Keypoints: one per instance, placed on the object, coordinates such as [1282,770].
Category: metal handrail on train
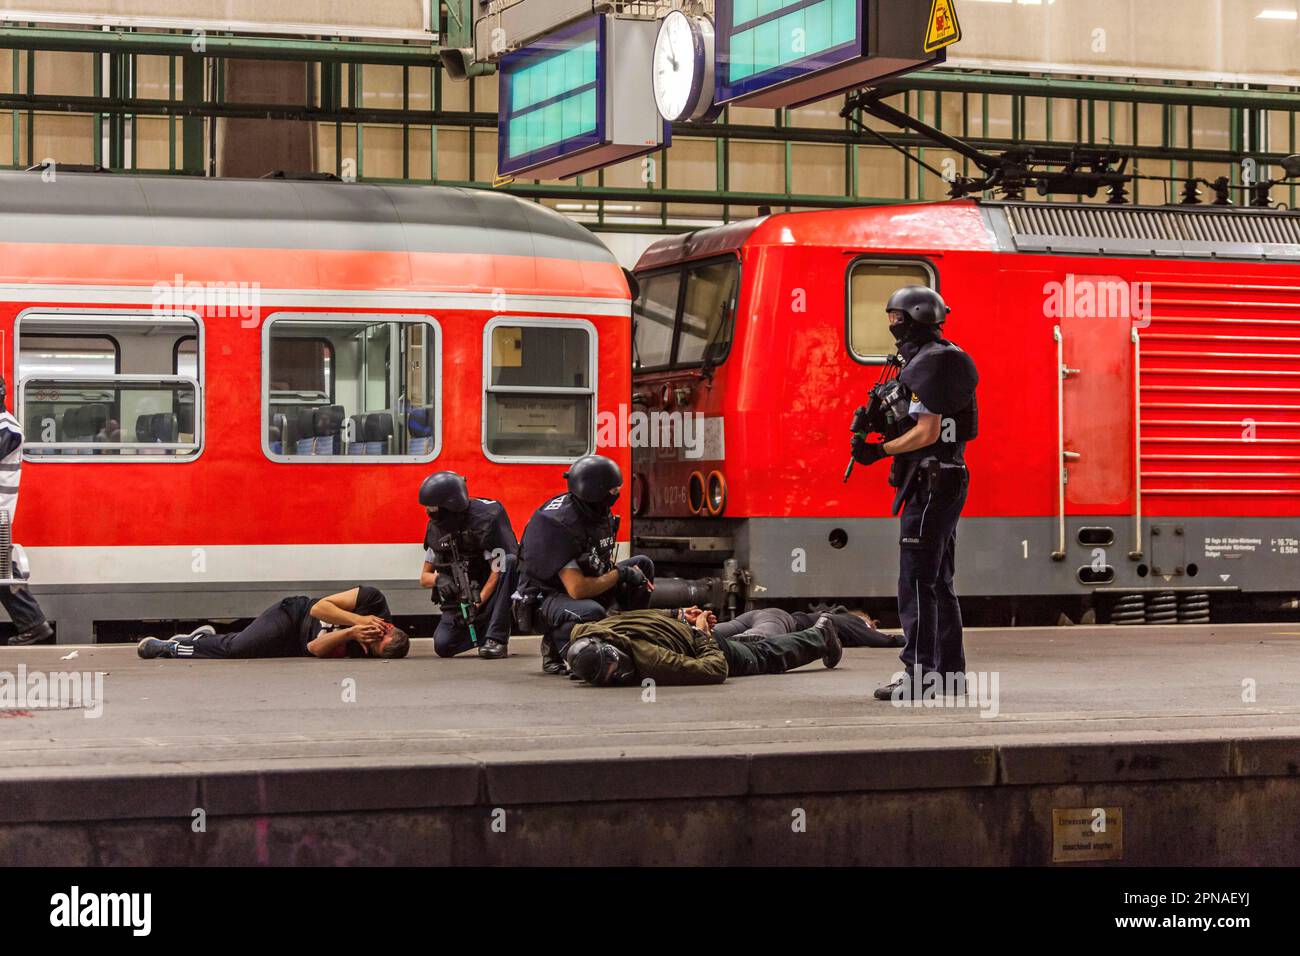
[1063,457]
[1136,553]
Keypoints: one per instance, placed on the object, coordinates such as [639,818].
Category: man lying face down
[855,628]
[680,648]
[353,623]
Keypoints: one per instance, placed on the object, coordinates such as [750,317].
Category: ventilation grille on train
[1148,231]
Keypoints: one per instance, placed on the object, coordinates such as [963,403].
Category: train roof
[1179,232]
[176,211]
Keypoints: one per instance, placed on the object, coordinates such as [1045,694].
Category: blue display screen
[764,43]
[552,97]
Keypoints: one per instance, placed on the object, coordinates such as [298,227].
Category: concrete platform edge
[503,780]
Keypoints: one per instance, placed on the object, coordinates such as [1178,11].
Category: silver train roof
[111,209]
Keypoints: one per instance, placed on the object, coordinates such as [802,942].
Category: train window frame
[117,346]
[593,370]
[683,270]
[346,318]
[70,314]
[884,260]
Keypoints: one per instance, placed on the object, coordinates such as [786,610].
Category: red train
[232,390]
[1140,399]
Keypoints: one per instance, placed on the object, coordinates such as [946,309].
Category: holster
[524,610]
[942,477]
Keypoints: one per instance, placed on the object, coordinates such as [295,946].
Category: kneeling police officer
[470,565]
[567,559]
[929,471]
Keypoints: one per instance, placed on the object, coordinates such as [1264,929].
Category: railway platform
[1191,733]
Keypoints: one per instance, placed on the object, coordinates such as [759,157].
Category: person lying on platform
[681,648]
[855,628]
[354,623]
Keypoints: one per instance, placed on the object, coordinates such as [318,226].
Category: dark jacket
[666,650]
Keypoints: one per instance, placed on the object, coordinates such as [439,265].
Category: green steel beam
[333,112]
[592,194]
[237,47]
[951,81]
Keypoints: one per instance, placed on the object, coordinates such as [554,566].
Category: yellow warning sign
[945,28]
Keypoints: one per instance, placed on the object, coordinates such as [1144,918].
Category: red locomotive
[1140,435]
[232,390]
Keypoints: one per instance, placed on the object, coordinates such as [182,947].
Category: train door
[1095,336]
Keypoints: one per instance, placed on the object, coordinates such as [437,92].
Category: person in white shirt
[26,613]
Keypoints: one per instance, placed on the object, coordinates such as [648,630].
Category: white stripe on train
[206,565]
[86,295]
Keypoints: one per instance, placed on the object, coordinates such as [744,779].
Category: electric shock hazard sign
[945,28]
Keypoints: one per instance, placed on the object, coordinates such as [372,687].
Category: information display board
[579,99]
[553,97]
[782,53]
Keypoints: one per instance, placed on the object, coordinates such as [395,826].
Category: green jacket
[665,649]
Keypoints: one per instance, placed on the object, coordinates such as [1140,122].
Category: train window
[351,388]
[185,357]
[708,313]
[69,355]
[656,320]
[540,396]
[871,283]
[105,386]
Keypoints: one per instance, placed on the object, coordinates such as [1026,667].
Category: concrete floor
[1057,686]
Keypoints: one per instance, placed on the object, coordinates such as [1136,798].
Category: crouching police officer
[567,559]
[470,565]
[929,471]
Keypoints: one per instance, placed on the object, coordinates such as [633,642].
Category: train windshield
[686,316]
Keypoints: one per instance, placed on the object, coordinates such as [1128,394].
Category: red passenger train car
[1140,398]
[231,391]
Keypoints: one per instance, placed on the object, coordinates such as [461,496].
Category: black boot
[33,635]
[834,647]
[552,662]
[492,650]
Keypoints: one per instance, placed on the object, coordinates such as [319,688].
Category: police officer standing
[470,565]
[567,558]
[929,471]
[27,615]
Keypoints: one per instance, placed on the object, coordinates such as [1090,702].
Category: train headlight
[716,494]
[696,496]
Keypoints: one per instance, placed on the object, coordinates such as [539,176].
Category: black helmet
[594,479]
[922,305]
[598,662]
[445,490]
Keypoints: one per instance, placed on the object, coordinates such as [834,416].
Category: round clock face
[679,67]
